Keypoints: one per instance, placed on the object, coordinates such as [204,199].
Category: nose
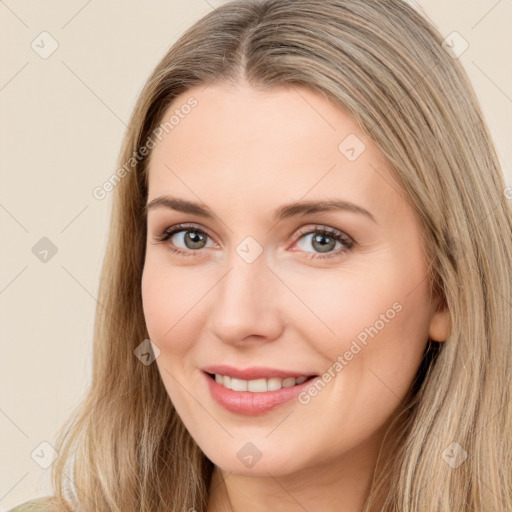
[246,304]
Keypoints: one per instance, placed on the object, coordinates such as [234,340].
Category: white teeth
[258,385]
[239,384]
[274,384]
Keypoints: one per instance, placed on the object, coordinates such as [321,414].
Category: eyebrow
[281,213]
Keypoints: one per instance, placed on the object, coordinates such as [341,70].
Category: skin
[244,153]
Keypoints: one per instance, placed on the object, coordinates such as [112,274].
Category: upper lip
[254,372]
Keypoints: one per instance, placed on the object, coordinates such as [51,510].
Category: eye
[191,237]
[324,239]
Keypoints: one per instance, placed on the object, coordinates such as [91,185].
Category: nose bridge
[245,301]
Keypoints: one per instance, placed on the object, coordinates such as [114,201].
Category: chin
[249,460]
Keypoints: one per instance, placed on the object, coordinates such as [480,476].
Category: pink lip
[252,404]
[255,372]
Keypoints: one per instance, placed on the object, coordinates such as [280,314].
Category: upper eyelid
[177,228]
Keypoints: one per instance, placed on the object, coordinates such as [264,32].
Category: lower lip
[253,404]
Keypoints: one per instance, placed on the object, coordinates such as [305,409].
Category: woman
[305,301]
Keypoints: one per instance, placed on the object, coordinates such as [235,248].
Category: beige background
[62,119]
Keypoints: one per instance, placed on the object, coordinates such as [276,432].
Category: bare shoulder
[35,505]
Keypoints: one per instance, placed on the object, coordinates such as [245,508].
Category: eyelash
[339,236]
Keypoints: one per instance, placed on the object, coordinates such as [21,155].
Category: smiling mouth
[258,385]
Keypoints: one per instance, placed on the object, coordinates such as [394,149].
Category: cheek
[376,322]
[380,334]
[175,304]
[166,298]
[172,310]
[344,304]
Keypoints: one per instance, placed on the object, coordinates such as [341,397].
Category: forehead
[245,146]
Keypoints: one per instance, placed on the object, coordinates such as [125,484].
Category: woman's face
[260,294]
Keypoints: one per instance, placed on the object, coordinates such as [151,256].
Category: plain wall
[62,120]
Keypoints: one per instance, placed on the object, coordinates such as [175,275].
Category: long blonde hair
[125,448]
